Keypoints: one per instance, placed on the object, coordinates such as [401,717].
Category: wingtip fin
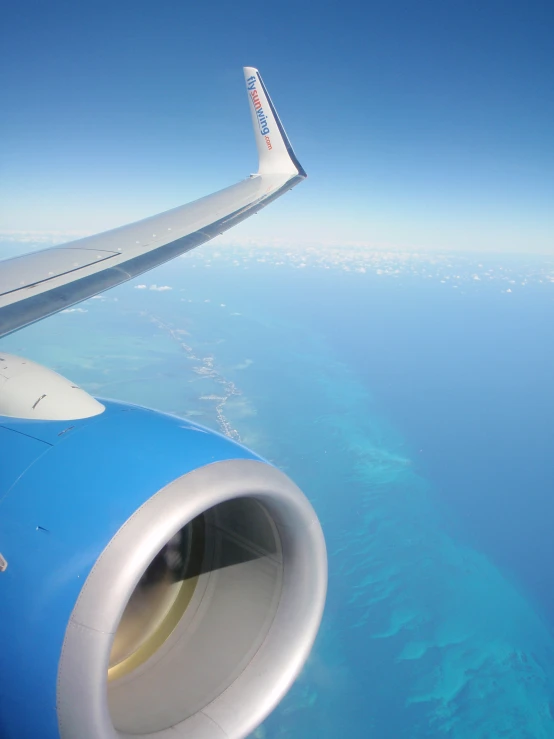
[275,152]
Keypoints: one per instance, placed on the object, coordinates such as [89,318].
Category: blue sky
[421,125]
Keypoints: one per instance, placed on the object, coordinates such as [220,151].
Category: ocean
[410,397]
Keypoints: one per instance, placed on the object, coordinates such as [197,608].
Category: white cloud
[157,288]
[75,310]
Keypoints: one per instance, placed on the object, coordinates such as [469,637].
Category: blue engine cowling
[86,507]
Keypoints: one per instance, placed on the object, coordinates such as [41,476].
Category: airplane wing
[44,282]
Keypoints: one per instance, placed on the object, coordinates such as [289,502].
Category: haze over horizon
[421,127]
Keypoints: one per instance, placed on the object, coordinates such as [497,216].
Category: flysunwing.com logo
[256,102]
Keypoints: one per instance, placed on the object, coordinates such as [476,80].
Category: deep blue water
[468,380]
[418,418]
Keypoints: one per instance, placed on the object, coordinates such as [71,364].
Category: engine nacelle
[156,579]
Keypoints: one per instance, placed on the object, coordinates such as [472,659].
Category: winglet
[276,155]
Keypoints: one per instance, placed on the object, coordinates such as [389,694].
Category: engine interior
[198,615]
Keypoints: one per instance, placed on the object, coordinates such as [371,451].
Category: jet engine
[157,579]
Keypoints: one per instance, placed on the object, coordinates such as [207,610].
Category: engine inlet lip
[82,675]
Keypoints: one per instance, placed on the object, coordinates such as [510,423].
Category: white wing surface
[44,282]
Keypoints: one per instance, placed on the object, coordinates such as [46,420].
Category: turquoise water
[427,632]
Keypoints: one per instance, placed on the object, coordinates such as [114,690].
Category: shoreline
[206,369]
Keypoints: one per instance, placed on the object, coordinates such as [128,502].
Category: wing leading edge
[44,282]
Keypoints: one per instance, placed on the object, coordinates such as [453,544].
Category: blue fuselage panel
[17,452]
[65,490]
